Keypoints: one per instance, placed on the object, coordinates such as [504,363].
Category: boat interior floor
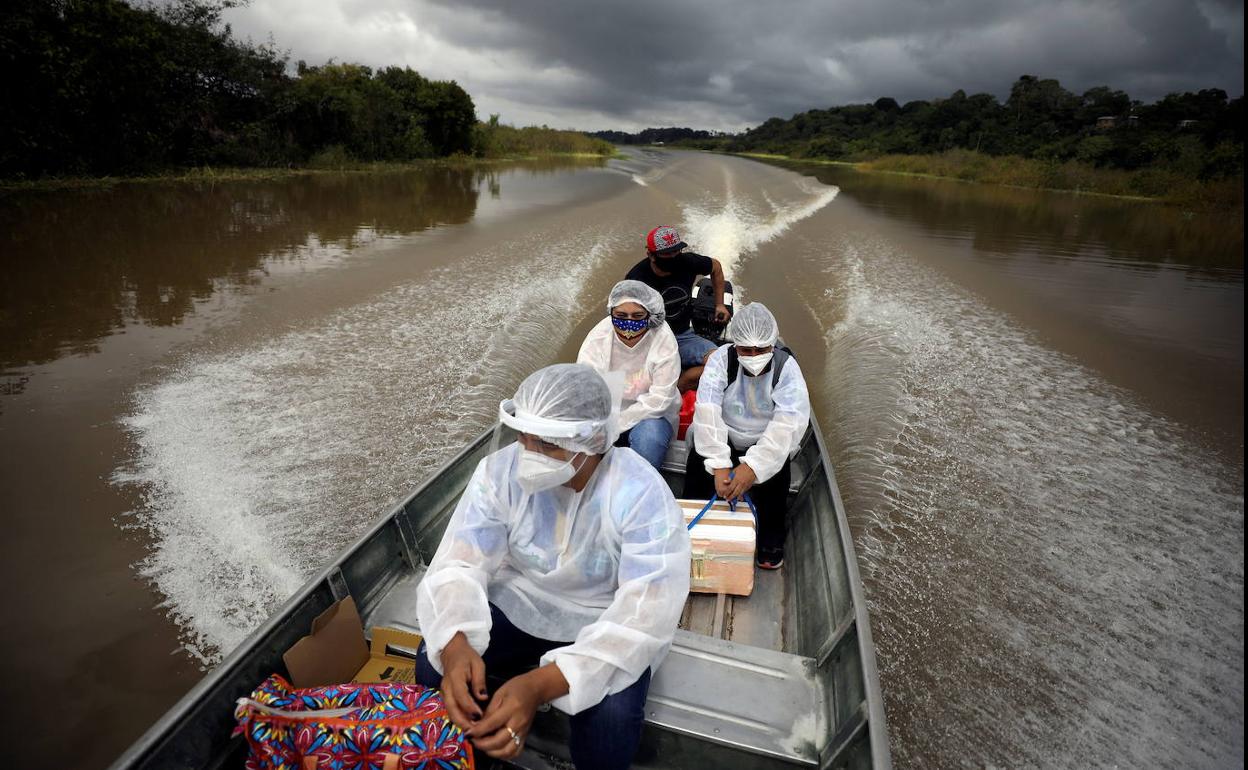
[752,620]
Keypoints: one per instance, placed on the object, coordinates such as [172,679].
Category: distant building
[1184,124]
[1106,122]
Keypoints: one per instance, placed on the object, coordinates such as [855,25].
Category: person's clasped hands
[496,725]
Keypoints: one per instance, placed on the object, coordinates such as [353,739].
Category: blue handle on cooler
[702,512]
[732,506]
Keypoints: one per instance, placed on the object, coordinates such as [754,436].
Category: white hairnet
[568,405]
[753,326]
[642,294]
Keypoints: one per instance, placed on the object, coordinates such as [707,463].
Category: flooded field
[1034,402]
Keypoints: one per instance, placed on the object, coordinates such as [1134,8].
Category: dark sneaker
[771,558]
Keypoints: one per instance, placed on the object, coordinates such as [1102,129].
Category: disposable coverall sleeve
[611,653]
[787,425]
[596,349]
[663,362]
[710,433]
[453,595]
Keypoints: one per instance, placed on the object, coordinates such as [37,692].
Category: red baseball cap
[664,238]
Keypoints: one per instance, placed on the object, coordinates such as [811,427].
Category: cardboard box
[337,652]
[723,548]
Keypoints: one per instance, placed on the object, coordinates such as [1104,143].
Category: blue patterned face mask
[629,328]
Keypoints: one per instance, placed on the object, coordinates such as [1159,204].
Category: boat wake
[643,167]
[256,465]
[736,226]
[995,486]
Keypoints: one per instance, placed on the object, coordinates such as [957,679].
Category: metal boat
[783,678]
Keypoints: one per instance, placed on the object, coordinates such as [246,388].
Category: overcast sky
[731,64]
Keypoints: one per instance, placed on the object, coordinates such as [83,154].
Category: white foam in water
[259,464]
[643,170]
[1056,575]
[734,227]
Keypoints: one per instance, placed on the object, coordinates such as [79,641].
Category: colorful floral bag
[349,727]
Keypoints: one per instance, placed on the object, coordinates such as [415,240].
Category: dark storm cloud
[717,64]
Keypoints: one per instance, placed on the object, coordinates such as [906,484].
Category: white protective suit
[768,424]
[605,569]
[650,370]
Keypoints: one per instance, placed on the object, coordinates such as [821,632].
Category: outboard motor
[702,310]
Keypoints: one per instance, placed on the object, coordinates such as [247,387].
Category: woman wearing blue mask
[634,349]
[563,572]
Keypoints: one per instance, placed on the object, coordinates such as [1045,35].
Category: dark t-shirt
[675,288]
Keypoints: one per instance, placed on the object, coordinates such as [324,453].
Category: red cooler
[686,413]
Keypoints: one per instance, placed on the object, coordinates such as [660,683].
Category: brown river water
[1034,403]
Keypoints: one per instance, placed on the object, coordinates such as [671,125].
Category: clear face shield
[551,451]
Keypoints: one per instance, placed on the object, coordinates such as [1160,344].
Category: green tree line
[1200,135]
[655,136]
[103,87]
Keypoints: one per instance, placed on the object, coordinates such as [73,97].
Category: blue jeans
[604,736]
[693,348]
[648,438]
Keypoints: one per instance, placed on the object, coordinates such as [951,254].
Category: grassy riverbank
[327,164]
[1151,184]
[492,143]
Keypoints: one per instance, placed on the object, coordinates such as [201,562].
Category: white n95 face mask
[537,471]
[755,364]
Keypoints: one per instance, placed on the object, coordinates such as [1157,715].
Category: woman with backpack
[751,414]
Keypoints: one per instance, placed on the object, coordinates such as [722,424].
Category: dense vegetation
[1200,134]
[1187,147]
[100,87]
[493,140]
[656,136]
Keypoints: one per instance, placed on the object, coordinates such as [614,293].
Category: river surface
[1034,402]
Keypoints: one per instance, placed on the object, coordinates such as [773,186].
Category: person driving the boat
[671,271]
[751,413]
[635,344]
[563,571]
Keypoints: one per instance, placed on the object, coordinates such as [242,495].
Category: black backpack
[780,356]
[702,310]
